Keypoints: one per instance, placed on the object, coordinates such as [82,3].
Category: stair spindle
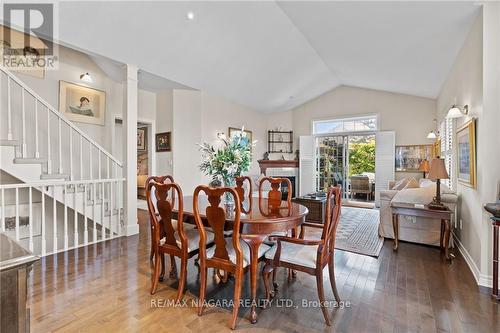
[65,219]
[9,111]
[71,176]
[103,236]
[30,221]
[3,210]
[85,224]
[17,214]
[59,134]
[75,219]
[81,157]
[112,207]
[23,116]
[44,241]
[37,152]
[49,162]
[54,220]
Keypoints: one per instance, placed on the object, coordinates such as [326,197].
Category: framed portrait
[82,104]
[142,139]
[232,131]
[408,158]
[163,142]
[466,154]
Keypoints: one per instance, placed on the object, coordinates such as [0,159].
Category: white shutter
[384,161]
[306,165]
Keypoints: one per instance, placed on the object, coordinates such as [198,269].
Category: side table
[418,211]
[316,206]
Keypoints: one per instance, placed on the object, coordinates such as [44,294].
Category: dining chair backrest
[162,180]
[216,217]
[163,207]
[332,218]
[240,189]
[275,195]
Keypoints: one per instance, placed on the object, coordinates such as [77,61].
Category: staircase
[65,189]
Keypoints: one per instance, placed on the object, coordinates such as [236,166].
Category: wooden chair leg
[238,279]
[162,265]
[266,271]
[173,267]
[182,278]
[276,285]
[203,288]
[331,269]
[321,296]
[156,274]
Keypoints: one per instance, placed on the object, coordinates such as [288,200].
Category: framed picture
[466,155]
[142,139]
[82,104]
[163,142]
[408,158]
[232,131]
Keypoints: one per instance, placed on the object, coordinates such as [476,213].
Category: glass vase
[228,197]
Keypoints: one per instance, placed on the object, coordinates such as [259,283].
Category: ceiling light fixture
[190,16]
[86,77]
[456,111]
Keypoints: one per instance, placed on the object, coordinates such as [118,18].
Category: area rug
[358,231]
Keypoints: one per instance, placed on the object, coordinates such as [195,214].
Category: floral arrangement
[229,161]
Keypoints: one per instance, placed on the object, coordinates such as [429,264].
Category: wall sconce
[456,111]
[221,136]
[86,77]
[432,134]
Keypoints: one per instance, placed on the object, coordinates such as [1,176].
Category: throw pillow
[400,184]
[412,184]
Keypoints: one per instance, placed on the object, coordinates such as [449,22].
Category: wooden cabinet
[316,208]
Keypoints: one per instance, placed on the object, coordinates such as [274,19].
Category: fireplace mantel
[266,164]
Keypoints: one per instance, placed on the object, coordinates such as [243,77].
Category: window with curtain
[446,135]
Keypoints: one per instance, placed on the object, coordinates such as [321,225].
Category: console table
[418,211]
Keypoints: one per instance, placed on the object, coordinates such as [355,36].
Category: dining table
[258,220]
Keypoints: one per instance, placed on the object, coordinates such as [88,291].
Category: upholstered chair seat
[297,254]
[244,248]
[193,237]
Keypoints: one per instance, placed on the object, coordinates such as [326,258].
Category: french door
[332,162]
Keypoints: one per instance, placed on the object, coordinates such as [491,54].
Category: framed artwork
[142,139]
[408,158]
[82,104]
[163,142]
[466,155]
[232,131]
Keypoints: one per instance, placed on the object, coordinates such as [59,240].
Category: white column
[130,153]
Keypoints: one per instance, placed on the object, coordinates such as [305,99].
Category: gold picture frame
[81,103]
[466,153]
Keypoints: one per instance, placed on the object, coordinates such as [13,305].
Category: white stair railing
[31,212]
[62,124]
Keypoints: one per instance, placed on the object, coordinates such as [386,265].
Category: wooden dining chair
[275,194]
[240,181]
[230,254]
[177,242]
[309,256]
[163,180]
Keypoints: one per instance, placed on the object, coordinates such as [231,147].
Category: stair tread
[6,142]
[29,160]
[54,176]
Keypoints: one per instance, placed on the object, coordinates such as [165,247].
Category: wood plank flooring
[105,288]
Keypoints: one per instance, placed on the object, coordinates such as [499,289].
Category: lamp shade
[431,135]
[424,166]
[438,169]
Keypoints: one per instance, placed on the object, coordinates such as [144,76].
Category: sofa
[141,186]
[414,229]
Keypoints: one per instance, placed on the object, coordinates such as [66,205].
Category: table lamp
[424,167]
[437,171]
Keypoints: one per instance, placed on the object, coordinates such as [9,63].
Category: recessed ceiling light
[190,16]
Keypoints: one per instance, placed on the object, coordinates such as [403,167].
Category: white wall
[464,85]
[164,123]
[474,80]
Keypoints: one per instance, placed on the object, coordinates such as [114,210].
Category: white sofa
[414,229]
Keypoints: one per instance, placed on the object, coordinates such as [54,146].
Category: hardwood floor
[105,288]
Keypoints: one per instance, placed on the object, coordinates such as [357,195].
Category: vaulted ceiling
[273,56]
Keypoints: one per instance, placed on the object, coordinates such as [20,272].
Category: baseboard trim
[482,280]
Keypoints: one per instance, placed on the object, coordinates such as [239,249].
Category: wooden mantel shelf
[265,164]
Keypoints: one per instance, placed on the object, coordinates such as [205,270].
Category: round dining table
[257,221]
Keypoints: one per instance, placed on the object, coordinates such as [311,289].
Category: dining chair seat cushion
[277,233]
[193,237]
[227,233]
[244,247]
[302,255]
[186,226]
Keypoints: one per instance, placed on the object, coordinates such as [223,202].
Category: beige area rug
[358,231]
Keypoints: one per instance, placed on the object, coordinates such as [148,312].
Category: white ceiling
[274,56]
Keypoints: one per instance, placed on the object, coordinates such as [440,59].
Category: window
[446,135]
[356,124]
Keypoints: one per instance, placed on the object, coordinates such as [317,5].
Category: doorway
[347,160]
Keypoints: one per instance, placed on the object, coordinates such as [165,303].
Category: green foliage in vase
[230,160]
